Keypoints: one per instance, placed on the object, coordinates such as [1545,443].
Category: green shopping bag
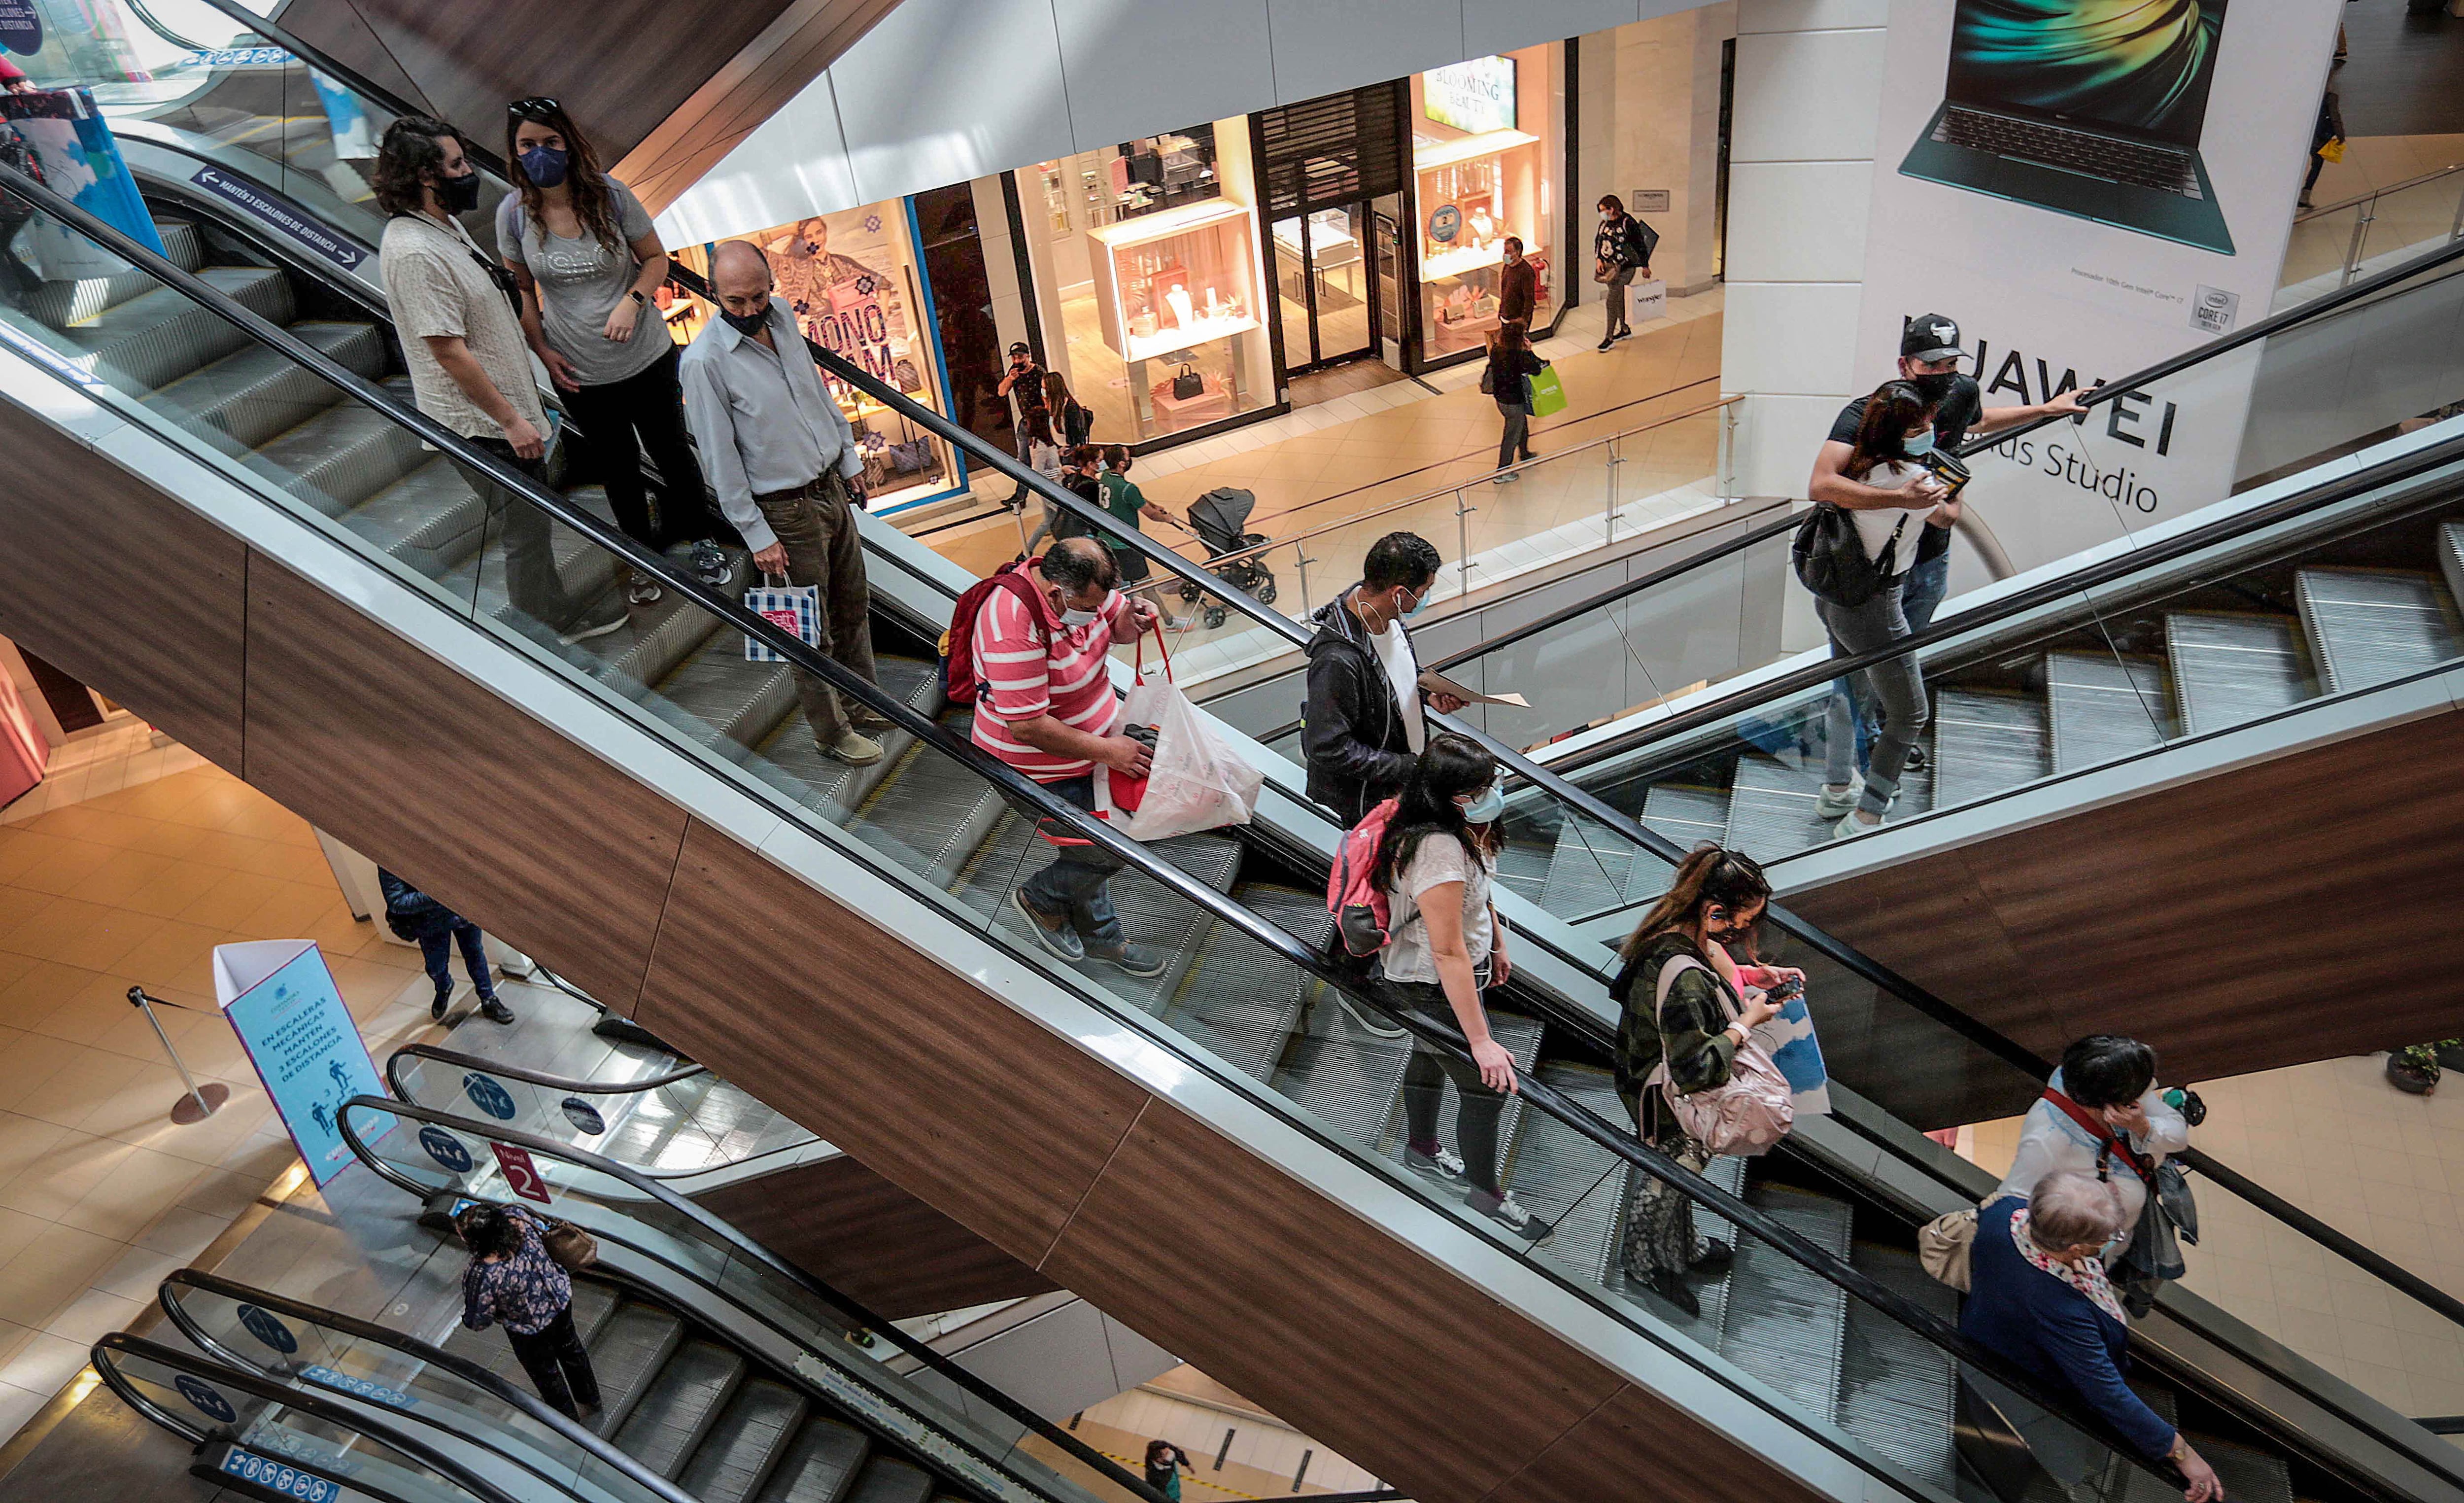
[1546,396]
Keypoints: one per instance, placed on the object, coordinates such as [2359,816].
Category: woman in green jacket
[1125,501]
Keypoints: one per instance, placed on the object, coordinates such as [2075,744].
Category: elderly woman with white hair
[2039,1296]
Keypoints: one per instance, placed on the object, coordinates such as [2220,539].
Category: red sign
[520,1174]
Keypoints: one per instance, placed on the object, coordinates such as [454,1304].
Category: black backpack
[1831,560]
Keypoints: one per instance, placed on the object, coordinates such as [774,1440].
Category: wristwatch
[635,294]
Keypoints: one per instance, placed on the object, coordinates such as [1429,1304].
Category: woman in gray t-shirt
[582,248]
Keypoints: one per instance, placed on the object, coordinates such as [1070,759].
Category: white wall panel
[1135,68]
[1504,28]
[1792,336]
[1325,45]
[1833,84]
[1810,15]
[793,164]
[942,91]
[1797,221]
[1777,440]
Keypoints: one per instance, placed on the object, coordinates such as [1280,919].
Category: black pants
[1424,1088]
[615,424]
[559,1363]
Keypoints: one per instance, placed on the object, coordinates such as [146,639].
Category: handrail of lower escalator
[316,1405]
[1022,790]
[469,1372]
[526,1074]
[856,1310]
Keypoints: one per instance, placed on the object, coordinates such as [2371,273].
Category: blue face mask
[1485,808]
[1418,601]
[545,166]
[1919,447]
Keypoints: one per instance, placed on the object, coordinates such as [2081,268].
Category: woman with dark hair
[2111,1081]
[1073,420]
[1512,365]
[1682,1006]
[511,1279]
[1121,497]
[582,249]
[1897,432]
[1445,945]
[1165,1462]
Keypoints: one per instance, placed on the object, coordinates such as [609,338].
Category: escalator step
[725,700]
[57,305]
[1241,1001]
[692,1386]
[243,399]
[2450,558]
[1341,1071]
[2229,669]
[822,784]
[930,814]
[1151,916]
[428,520]
[886,1479]
[1783,1324]
[750,1436]
[594,1300]
[1564,1178]
[156,338]
[348,454]
[1985,742]
[2105,707]
[662,634]
[1771,809]
[2249,1476]
[1521,1036]
[626,1353]
[1686,814]
[1897,1390]
[1593,868]
[821,1464]
[2367,626]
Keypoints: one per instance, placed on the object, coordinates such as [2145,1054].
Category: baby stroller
[1217,518]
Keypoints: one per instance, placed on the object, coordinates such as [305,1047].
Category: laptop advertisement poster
[2086,188]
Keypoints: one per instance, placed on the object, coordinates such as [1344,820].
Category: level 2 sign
[521,1175]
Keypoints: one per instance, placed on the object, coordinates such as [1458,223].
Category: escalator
[1816,1368]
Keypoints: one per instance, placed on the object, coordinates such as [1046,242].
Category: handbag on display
[1188,384]
[1747,1114]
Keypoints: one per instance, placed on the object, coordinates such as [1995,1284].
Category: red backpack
[959,680]
[1358,904]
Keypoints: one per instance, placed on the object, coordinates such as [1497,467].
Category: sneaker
[436,1009]
[1625,333]
[1606,341]
[710,563]
[591,628]
[854,749]
[1670,1287]
[1831,805]
[1053,934]
[495,1010]
[1369,1021]
[1850,827]
[1442,1166]
[1916,759]
[1505,1210]
[1714,1257]
[1506,477]
[643,591]
[1136,959]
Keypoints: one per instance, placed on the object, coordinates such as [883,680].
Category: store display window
[852,279]
[1485,149]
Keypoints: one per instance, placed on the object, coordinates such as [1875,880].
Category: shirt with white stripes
[1071,682]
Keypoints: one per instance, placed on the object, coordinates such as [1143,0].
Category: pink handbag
[1746,1115]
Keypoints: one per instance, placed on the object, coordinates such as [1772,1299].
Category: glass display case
[1483,147]
[1176,293]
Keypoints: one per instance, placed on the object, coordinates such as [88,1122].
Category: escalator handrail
[726,1233]
[462,1367]
[1022,789]
[307,1401]
[2109,391]
[526,1074]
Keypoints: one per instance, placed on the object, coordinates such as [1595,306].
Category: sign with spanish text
[281,1000]
[521,1174]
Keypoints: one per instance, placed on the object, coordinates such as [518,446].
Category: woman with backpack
[1071,420]
[1436,863]
[1895,434]
[1512,365]
[1685,1010]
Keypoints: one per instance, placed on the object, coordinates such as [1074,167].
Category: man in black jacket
[1362,726]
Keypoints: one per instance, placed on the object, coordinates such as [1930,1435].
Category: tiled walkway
[2405,221]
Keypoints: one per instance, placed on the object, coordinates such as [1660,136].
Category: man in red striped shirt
[1048,709]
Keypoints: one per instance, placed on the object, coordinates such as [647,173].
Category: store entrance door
[1325,289]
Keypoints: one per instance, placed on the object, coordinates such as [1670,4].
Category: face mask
[1919,447]
[1081,618]
[461,195]
[747,324]
[1935,388]
[1418,601]
[545,166]
[1485,808]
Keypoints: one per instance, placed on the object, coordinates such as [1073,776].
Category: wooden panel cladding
[952,1096]
[856,1230]
[621,67]
[406,757]
[122,586]
[2304,908]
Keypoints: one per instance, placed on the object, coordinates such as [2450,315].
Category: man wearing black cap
[1929,356]
[1023,384]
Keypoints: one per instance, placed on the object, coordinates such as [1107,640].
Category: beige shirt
[437,289]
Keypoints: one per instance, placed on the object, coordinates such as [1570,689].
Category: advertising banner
[76,156]
[2088,187]
[282,1003]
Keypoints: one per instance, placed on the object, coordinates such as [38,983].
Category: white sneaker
[1831,805]
[1851,827]
[1446,1165]
[1505,1210]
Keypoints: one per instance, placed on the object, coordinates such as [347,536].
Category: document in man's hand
[1434,682]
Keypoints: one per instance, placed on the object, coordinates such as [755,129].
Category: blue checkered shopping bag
[793,608]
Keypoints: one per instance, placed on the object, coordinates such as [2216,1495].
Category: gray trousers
[1516,442]
[817,524]
[1894,684]
[1615,284]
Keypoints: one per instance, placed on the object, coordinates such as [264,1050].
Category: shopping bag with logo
[793,608]
[1546,394]
[1648,301]
[1198,781]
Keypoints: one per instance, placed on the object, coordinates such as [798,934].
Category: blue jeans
[1078,881]
[1920,594]
[437,952]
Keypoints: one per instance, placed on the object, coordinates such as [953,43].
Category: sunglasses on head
[537,108]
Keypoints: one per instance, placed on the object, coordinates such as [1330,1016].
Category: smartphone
[1785,989]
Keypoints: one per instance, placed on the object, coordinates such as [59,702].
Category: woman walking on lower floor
[1512,365]
[511,1280]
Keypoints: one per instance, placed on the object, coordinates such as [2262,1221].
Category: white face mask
[1082,618]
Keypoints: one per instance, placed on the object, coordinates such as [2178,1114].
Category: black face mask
[747,324]
[1935,388]
[460,194]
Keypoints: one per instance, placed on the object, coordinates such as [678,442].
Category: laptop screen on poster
[2135,68]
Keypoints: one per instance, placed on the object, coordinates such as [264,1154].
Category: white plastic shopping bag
[1198,781]
[793,608]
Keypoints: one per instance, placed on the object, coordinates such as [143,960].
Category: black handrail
[526,1074]
[314,1405]
[1020,790]
[855,1310]
[461,1367]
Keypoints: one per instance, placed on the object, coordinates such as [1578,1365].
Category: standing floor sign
[280,999]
